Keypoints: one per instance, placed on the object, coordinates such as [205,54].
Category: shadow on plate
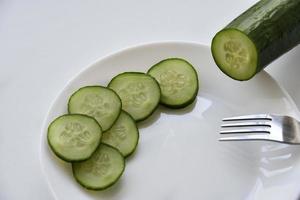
[180,111]
[288,66]
[162,109]
[266,86]
[149,121]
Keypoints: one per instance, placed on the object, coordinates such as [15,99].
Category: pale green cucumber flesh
[74,137]
[235,54]
[139,93]
[96,101]
[101,170]
[123,135]
[178,81]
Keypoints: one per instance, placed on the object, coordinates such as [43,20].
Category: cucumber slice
[102,170]
[139,93]
[178,81]
[123,135]
[96,101]
[235,54]
[74,137]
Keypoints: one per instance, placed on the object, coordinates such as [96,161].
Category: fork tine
[246,130]
[244,137]
[242,124]
[248,117]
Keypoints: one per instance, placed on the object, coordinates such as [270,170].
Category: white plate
[179,156]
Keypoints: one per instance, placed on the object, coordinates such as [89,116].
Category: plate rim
[115,53]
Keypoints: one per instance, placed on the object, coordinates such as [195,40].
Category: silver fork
[269,127]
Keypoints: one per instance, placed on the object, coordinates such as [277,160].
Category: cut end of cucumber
[235,54]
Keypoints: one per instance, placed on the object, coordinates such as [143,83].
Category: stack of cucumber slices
[100,130]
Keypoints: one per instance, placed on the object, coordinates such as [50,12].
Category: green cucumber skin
[137,141]
[273,26]
[196,91]
[144,118]
[101,87]
[107,186]
[58,154]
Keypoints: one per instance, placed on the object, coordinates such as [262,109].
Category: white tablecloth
[43,44]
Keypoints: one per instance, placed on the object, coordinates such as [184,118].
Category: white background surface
[43,44]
